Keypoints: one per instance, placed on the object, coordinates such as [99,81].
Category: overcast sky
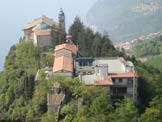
[14,14]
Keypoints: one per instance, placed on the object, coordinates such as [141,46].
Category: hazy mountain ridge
[127,19]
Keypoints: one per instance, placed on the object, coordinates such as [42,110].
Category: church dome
[42,26]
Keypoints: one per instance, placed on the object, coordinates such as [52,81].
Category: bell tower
[62,20]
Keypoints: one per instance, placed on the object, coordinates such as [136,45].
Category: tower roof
[61,13]
[70,47]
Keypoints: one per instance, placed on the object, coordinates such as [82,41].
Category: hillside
[147,47]
[149,51]
[24,99]
[155,61]
[127,19]
[21,100]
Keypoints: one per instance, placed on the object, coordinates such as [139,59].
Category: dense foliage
[17,81]
[90,43]
[155,61]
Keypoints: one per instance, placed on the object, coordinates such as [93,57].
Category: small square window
[120,80]
[113,80]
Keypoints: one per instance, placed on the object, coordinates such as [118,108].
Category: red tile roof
[124,75]
[70,47]
[63,63]
[106,82]
[108,79]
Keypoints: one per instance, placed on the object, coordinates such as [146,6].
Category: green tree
[90,43]
[100,108]
[49,117]
[17,78]
[76,29]
[151,115]
[124,112]
[101,105]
